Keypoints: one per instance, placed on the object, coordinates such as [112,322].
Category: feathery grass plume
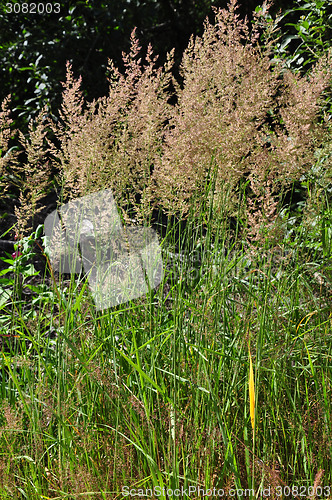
[68,157]
[227,91]
[229,112]
[8,157]
[143,93]
[262,216]
[317,482]
[34,173]
[300,132]
[251,391]
[113,141]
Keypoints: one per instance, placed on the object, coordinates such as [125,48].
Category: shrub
[305,34]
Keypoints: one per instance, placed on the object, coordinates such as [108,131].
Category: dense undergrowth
[154,392]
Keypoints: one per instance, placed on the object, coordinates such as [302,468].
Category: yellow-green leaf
[251,393]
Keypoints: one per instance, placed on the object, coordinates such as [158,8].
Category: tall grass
[154,393]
